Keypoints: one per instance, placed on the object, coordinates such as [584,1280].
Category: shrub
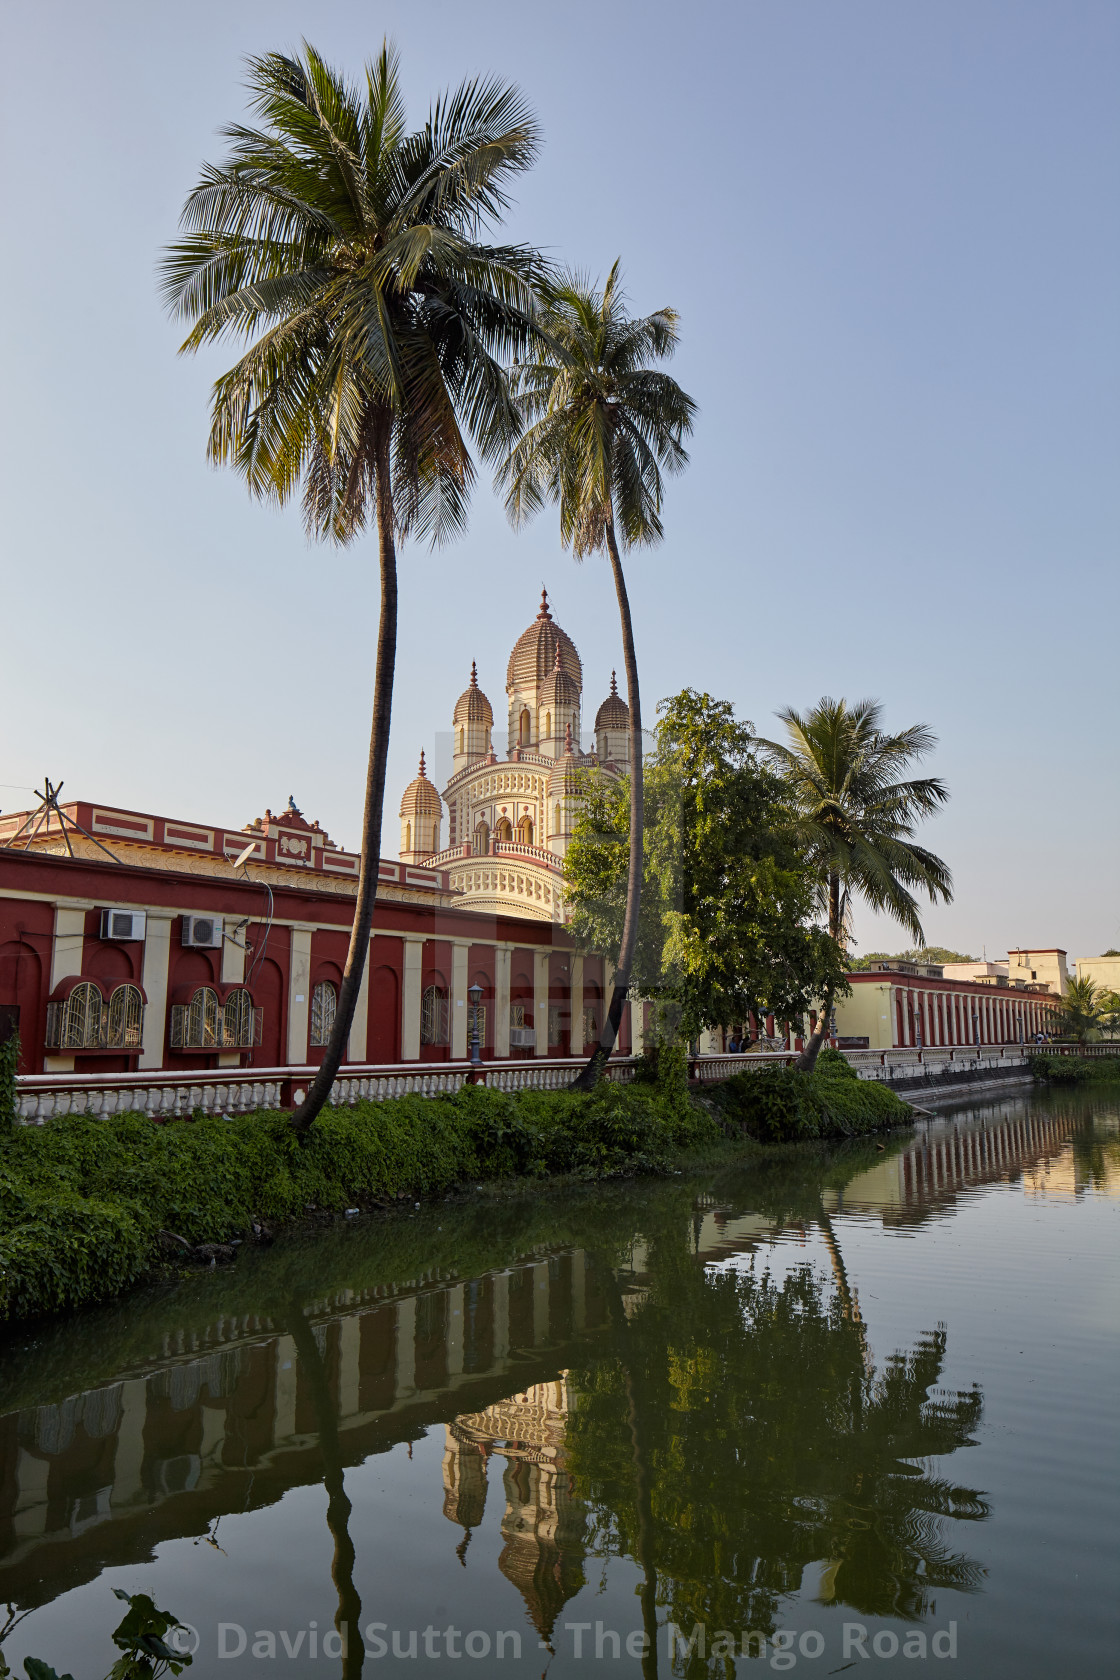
[1073,1070]
[779,1105]
[834,1063]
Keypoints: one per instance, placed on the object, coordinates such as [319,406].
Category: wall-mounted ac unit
[202,932]
[522,1038]
[122,924]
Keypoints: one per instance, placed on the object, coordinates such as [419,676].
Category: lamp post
[475,994]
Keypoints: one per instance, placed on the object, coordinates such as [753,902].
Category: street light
[475,994]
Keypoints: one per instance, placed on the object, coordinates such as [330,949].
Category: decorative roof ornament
[564,777]
[472,705]
[614,713]
[534,653]
[420,797]
[558,688]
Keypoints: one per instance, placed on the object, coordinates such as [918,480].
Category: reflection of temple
[543,1524]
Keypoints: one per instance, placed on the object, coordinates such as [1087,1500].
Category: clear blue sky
[892,235]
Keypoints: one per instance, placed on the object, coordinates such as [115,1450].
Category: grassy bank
[83,1201]
[1074,1070]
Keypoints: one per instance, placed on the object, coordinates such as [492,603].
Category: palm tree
[602,427]
[1081,1009]
[350,252]
[856,818]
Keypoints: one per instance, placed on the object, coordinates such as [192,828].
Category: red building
[132,943]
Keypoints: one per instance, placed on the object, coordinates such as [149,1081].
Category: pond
[849,1408]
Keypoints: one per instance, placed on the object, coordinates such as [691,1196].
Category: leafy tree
[938,954]
[1110,1011]
[1081,1011]
[857,818]
[727,922]
[602,427]
[350,252]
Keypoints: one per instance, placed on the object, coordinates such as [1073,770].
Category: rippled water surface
[849,1409]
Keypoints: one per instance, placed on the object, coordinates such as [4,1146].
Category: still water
[850,1409]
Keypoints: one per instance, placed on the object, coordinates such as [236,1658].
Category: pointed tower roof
[472,705]
[534,653]
[614,713]
[564,777]
[558,688]
[420,797]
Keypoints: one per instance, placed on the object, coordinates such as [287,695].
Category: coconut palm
[856,818]
[351,253]
[602,428]
[1082,1009]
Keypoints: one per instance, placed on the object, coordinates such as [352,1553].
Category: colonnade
[930,1018]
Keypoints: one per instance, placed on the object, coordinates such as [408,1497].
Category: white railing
[514,848]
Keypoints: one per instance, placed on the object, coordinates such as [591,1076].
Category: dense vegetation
[782,1104]
[1074,1070]
[83,1200]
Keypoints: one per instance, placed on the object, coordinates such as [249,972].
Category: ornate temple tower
[532,687]
[471,724]
[612,728]
[421,816]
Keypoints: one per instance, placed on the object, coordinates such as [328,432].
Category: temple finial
[614,683]
[544,612]
[557,665]
[474,674]
[423,772]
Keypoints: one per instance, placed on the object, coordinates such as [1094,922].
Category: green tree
[1081,1011]
[350,252]
[857,818]
[601,429]
[938,954]
[726,927]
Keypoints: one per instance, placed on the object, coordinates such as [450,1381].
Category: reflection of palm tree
[643,1476]
[349,1614]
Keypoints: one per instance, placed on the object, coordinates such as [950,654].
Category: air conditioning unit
[522,1038]
[122,924]
[202,932]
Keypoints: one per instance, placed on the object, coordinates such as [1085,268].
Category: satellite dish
[242,858]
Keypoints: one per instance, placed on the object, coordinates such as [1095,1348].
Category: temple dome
[614,713]
[472,705]
[534,653]
[558,688]
[420,797]
[564,777]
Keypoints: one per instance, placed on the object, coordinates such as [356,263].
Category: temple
[510,819]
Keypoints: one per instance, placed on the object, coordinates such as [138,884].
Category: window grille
[517,1014]
[480,1014]
[433,1016]
[555,1024]
[84,1021]
[203,1023]
[324,1003]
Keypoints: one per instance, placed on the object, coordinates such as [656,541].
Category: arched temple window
[433,1016]
[504,830]
[324,1003]
[547,725]
[556,819]
[462,739]
[482,839]
[525,728]
[525,831]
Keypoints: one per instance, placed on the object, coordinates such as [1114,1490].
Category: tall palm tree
[857,817]
[1082,1010]
[602,427]
[351,253]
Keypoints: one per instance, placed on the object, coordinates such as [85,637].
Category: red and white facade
[239,968]
[908,1006]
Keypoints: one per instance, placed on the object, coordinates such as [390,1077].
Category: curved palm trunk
[591,1074]
[320,1089]
[643,1474]
[348,1617]
[807,1060]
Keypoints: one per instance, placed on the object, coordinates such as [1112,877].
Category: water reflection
[628,1368]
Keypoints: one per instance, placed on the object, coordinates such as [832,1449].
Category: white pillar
[69,938]
[460,953]
[410,998]
[359,1026]
[503,958]
[540,1002]
[233,952]
[299,985]
[153,978]
[575,1007]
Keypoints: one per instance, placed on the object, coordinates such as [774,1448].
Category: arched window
[525,728]
[237,1020]
[482,839]
[433,1016]
[77,1022]
[126,1018]
[324,1002]
[547,725]
[525,831]
[408,836]
[206,1024]
[504,830]
[556,819]
[462,739]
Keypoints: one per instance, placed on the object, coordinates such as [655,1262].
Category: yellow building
[898,1004]
[1102,971]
